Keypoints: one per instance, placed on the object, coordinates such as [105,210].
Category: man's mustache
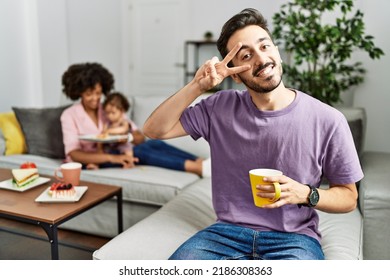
[261,67]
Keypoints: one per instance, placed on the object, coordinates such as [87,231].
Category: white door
[154,44]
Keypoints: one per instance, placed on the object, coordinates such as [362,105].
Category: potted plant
[208,36]
[320,50]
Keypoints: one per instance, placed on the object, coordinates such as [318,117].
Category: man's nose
[260,58]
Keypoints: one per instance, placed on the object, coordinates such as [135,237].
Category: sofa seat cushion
[158,236]
[342,235]
[45,165]
[142,184]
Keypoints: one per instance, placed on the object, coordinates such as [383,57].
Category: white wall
[212,14]
[374,94]
[94,31]
[54,49]
[19,55]
[40,38]
[75,31]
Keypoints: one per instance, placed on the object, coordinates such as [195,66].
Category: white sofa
[162,208]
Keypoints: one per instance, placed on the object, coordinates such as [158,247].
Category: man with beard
[265,126]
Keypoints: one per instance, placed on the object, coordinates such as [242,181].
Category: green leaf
[321,51]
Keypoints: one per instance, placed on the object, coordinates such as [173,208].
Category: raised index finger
[232,53]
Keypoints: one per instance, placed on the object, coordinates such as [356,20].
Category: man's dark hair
[80,77]
[118,100]
[244,18]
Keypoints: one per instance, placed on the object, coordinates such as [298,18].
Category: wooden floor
[90,242]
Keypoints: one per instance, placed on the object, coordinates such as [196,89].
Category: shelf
[202,42]
[197,45]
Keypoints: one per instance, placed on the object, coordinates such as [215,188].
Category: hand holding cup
[257,178]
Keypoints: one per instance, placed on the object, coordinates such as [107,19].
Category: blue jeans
[223,241]
[159,153]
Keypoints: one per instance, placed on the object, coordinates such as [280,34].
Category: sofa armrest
[374,202]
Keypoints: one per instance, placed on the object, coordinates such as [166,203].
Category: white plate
[107,139]
[45,197]
[9,185]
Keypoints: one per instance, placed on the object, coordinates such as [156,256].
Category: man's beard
[265,87]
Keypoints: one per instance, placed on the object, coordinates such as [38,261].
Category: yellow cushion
[14,138]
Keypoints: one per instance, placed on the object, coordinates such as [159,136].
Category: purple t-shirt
[306,140]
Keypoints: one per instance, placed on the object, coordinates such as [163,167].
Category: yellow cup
[256,177]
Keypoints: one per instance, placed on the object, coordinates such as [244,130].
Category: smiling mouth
[263,69]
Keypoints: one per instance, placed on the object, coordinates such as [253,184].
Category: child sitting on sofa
[115,108]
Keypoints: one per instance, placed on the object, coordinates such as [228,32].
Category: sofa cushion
[342,235]
[42,130]
[356,118]
[356,127]
[45,165]
[12,133]
[143,184]
[2,143]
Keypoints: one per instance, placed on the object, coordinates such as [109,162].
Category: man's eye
[265,47]
[246,56]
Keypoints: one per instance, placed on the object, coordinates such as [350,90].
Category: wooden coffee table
[21,206]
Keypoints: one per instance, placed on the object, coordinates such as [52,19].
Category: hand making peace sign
[213,71]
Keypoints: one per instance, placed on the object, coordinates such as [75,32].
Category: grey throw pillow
[356,127]
[2,143]
[42,130]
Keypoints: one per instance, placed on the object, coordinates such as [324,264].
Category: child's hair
[118,100]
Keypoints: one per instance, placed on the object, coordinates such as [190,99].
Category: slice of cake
[23,177]
[61,190]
